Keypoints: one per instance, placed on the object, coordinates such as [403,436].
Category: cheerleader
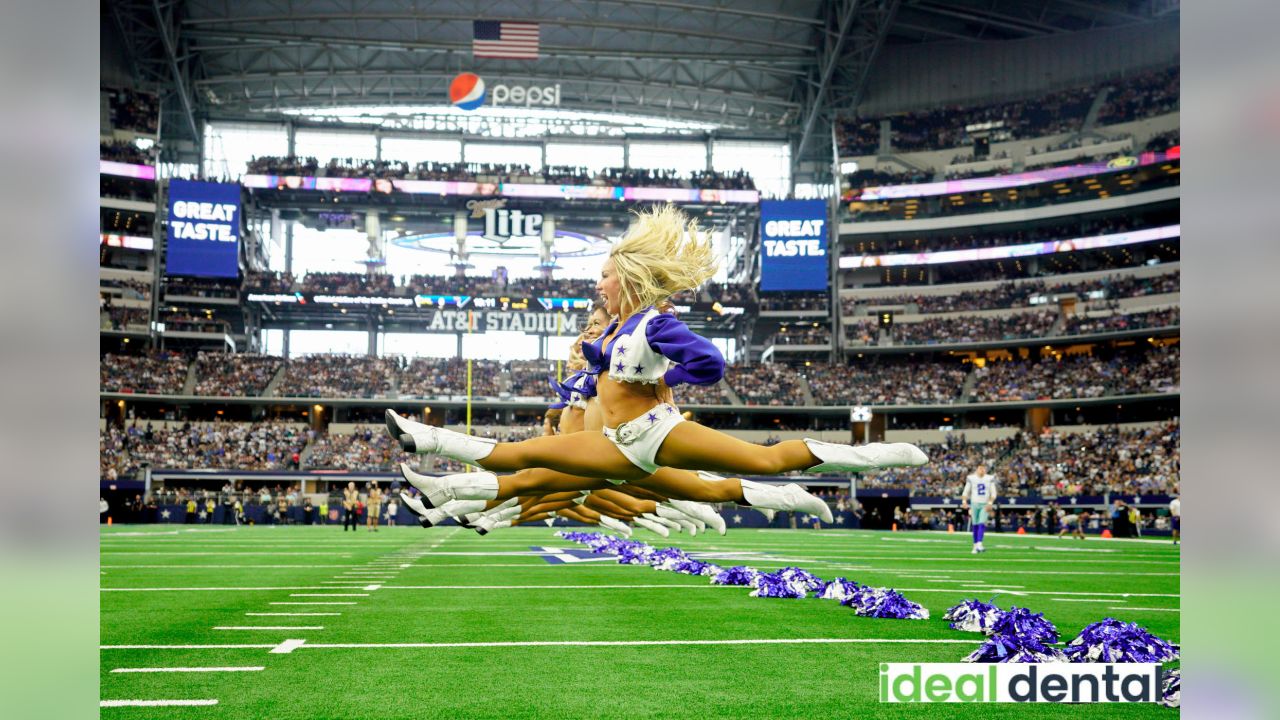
[638,359]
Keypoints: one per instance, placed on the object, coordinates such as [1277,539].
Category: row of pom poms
[1019,635]
[791,582]
[1013,635]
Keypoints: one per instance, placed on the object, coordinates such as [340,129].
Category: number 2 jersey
[979,489]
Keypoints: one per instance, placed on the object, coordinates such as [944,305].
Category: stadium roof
[760,68]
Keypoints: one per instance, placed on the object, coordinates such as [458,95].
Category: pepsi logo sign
[466,92]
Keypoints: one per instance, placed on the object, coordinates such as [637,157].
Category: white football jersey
[979,489]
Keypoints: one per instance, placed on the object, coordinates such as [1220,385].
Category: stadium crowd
[801,335]
[886,383]
[496,173]
[234,375]
[438,377]
[1000,237]
[1019,294]
[154,373]
[359,284]
[975,328]
[1146,94]
[1082,376]
[1121,321]
[1139,462]
[772,384]
[358,376]
[238,446]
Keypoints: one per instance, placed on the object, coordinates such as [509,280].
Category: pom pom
[775,585]
[667,558]
[1171,691]
[1000,648]
[884,603]
[737,575]
[838,589]
[803,577]
[631,552]
[1021,622]
[1113,641]
[695,567]
[973,616]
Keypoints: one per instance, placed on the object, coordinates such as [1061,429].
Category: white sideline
[311,603]
[252,668]
[268,627]
[156,703]
[252,614]
[290,645]
[1177,610]
[216,589]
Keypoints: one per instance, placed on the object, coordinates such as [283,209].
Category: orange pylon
[1106,532]
[1022,531]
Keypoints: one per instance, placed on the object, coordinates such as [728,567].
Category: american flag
[514,40]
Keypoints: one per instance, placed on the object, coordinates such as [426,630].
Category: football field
[311,622]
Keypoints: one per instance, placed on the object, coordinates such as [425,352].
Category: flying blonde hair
[654,259]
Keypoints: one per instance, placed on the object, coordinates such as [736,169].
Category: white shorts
[639,439]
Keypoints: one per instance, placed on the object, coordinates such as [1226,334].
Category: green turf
[730,681]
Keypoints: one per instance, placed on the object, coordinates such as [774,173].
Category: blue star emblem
[621,350]
[670,409]
[639,368]
[619,367]
[652,418]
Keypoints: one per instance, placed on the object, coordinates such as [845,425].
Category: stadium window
[503,154]
[500,346]
[683,157]
[333,250]
[327,145]
[592,157]
[271,342]
[414,150]
[228,147]
[328,342]
[769,164]
[415,345]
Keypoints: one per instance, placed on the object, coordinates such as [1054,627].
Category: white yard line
[268,627]
[328,594]
[312,603]
[293,644]
[1177,610]
[156,703]
[253,668]
[303,614]
[216,589]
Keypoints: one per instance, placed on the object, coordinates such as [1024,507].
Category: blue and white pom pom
[838,589]
[777,585]
[737,575]
[1112,641]
[1021,622]
[1171,692]
[696,567]
[885,603]
[973,616]
[802,576]
[667,558]
[631,552]
[1001,648]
